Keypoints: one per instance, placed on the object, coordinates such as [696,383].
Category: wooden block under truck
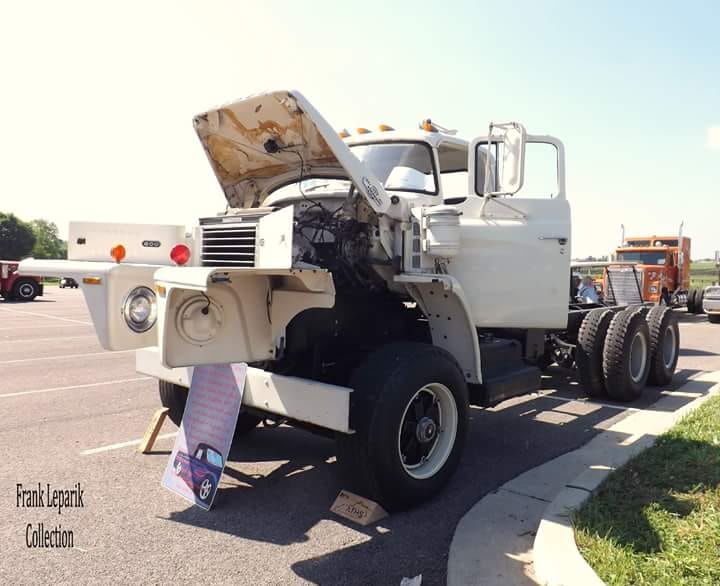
[374,296]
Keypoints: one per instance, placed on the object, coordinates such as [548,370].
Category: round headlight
[140,309]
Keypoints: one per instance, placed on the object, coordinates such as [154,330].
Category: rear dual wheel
[618,353]
[626,364]
[695,300]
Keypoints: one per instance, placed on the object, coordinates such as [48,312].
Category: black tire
[174,398]
[387,384]
[691,300]
[25,289]
[589,351]
[699,296]
[664,345]
[714,318]
[625,378]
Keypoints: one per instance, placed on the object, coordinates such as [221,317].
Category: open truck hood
[259,143]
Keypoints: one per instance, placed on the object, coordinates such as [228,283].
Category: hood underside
[262,142]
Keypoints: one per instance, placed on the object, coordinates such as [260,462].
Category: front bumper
[305,400]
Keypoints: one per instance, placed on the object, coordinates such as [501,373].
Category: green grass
[657,519]
[703,273]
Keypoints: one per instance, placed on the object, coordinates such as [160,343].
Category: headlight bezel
[147,323]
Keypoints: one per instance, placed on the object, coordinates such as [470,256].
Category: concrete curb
[557,561]
[493,543]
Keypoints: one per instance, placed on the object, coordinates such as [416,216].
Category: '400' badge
[151,243]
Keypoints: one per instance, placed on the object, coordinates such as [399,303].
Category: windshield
[400,166]
[645,258]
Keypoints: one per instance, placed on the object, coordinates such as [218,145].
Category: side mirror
[512,164]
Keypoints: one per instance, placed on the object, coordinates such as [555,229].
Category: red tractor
[14,286]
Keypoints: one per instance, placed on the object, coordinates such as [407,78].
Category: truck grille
[622,286]
[229,241]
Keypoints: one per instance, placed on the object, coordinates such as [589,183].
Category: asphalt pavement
[74,413]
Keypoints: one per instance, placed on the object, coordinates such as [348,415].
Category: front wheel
[409,410]
[205,490]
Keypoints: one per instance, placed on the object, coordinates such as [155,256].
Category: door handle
[561,239]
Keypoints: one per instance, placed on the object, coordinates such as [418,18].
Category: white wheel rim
[638,357]
[669,347]
[205,489]
[26,290]
[427,431]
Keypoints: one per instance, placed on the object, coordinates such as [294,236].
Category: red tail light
[180,254]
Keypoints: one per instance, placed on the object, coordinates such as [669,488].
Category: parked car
[68,282]
[201,471]
[711,303]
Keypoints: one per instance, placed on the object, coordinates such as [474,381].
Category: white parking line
[65,356]
[54,339]
[123,444]
[12,329]
[5,309]
[110,382]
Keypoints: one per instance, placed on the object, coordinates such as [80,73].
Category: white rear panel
[144,243]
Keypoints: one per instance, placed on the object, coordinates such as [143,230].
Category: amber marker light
[92,280]
[118,252]
[160,290]
[385,128]
[362,131]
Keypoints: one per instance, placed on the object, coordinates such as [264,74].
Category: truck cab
[15,287]
[663,265]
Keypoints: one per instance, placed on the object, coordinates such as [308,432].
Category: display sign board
[206,432]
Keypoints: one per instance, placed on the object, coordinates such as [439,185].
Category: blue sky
[98,98]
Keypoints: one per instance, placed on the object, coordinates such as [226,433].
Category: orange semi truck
[662,265]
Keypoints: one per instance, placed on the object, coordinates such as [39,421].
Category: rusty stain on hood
[234,137]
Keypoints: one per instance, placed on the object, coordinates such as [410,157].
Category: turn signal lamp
[118,252]
[363,131]
[385,128]
[343,133]
[428,126]
[180,254]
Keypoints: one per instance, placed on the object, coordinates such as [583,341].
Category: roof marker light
[343,133]
[428,126]
[385,128]
[363,131]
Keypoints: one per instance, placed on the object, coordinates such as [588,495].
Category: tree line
[37,238]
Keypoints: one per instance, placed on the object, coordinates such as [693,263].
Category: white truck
[371,302]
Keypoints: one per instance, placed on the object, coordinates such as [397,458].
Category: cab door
[514,263]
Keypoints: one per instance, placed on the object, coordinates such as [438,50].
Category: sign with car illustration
[208,424]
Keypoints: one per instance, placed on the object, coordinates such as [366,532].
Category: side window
[541,171]
[453,169]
